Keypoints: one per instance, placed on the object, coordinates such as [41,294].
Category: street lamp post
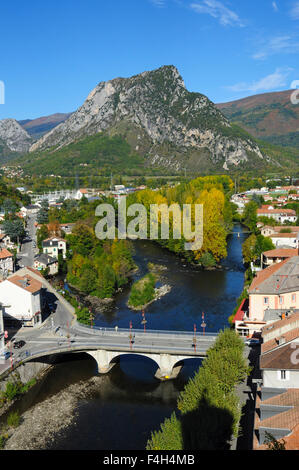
[144,321]
[194,338]
[130,335]
[203,325]
[91,318]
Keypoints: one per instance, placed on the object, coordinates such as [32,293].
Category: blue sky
[53,53]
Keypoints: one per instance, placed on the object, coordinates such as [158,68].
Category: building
[66,227]
[277,406]
[285,240]
[21,295]
[44,261]
[267,230]
[276,256]
[281,215]
[6,262]
[273,293]
[5,241]
[81,193]
[54,246]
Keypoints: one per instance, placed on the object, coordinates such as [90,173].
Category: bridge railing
[138,331]
[31,355]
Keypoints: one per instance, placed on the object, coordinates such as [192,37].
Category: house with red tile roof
[274,291]
[54,246]
[267,230]
[276,256]
[6,261]
[281,215]
[21,294]
[277,405]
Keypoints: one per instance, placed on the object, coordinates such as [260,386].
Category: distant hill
[268,116]
[40,126]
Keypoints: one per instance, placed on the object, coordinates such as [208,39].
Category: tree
[9,207]
[250,216]
[42,234]
[43,213]
[14,229]
[262,244]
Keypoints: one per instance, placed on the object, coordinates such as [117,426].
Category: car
[253,342]
[5,355]
[19,344]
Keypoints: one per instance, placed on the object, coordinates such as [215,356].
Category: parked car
[5,355]
[19,344]
[253,342]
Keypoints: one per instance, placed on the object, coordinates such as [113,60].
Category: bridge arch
[106,359]
[168,366]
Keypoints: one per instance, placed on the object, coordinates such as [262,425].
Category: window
[293,297]
[283,375]
[281,300]
[266,300]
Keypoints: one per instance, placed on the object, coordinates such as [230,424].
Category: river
[122,408]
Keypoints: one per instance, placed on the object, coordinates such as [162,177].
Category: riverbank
[42,423]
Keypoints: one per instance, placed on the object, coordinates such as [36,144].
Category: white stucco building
[54,246]
[22,297]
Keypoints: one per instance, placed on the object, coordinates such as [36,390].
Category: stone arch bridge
[168,349]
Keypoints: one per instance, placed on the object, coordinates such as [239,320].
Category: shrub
[13,419]
[143,291]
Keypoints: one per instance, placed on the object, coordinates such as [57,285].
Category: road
[27,253]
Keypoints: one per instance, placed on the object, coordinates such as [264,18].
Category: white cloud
[274,5]
[278,45]
[273,81]
[217,10]
[295,11]
[158,3]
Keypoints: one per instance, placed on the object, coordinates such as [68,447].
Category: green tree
[14,229]
[250,216]
[42,234]
[43,213]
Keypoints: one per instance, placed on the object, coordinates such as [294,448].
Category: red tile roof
[4,253]
[281,253]
[241,311]
[265,274]
[27,283]
[288,419]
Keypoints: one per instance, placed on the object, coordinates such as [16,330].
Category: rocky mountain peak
[14,136]
[155,108]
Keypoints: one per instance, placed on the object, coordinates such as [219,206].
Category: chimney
[281,340]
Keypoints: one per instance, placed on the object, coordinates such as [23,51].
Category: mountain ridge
[155,111]
[268,116]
